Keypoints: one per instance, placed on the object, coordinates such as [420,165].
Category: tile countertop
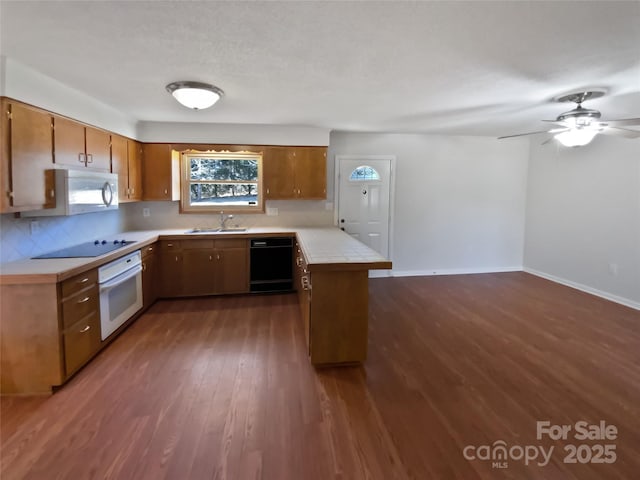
[324,249]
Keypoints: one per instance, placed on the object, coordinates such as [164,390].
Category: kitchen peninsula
[40,350]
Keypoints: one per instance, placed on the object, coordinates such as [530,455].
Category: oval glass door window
[364,173]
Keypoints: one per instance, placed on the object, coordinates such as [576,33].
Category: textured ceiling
[478,68]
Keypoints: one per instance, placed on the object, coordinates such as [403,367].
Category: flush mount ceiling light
[195,95]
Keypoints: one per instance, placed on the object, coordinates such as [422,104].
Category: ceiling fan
[580,125]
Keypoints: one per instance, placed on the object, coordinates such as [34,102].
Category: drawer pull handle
[85,329]
[169,244]
[84,280]
[150,249]
[298,261]
[85,299]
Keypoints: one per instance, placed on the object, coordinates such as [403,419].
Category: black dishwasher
[271,264]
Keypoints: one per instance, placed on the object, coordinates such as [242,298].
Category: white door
[364,200]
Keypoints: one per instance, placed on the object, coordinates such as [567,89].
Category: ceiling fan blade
[620,132]
[523,134]
[626,122]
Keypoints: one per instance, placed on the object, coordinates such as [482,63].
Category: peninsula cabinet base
[335,305]
[31,351]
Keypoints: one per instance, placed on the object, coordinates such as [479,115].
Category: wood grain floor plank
[221,388]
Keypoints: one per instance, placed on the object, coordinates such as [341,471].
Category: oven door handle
[120,279]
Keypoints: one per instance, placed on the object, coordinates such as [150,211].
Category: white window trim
[185,183]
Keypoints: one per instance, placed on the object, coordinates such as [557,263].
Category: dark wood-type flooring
[220,388]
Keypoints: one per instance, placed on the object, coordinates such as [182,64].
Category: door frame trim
[392,196]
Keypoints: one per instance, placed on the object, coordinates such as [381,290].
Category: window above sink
[216,181]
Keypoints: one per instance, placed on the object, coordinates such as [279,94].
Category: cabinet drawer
[232,243]
[196,244]
[81,341]
[80,305]
[79,282]
[148,250]
[170,245]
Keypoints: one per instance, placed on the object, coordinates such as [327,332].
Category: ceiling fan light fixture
[576,137]
[195,95]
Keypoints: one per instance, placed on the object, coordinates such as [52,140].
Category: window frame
[377,178]
[186,182]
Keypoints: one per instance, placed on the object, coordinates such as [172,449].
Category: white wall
[242,134]
[583,216]
[23,83]
[459,202]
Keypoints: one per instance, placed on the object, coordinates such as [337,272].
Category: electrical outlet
[35,227]
[146,212]
[328,205]
[272,211]
[613,269]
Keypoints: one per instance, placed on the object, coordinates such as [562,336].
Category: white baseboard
[453,271]
[380,273]
[578,286]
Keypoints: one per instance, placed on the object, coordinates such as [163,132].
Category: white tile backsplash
[291,213]
[17,241]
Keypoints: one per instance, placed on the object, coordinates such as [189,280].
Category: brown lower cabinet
[81,341]
[334,308]
[203,267]
[55,336]
[149,276]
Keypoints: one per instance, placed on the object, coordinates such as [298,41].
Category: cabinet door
[232,269]
[119,165]
[135,169]
[160,172]
[199,272]
[311,172]
[68,139]
[98,149]
[81,341]
[31,157]
[278,173]
[149,275]
[170,280]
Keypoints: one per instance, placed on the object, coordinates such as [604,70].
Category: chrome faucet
[223,220]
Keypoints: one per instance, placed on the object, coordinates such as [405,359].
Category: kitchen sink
[217,230]
[203,230]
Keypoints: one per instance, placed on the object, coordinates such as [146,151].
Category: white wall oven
[120,285]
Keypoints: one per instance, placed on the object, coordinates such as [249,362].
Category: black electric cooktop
[88,249]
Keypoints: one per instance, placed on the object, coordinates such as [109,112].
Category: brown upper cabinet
[79,145]
[126,161]
[160,172]
[295,173]
[26,158]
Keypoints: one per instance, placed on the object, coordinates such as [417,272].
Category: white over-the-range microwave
[81,191]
